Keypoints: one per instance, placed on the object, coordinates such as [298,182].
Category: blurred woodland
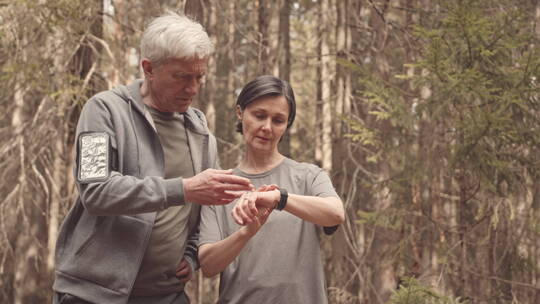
[426,113]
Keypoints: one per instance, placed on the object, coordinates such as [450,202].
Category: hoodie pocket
[111,255]
[86,242]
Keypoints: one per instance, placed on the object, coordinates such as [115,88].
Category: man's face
[174,83]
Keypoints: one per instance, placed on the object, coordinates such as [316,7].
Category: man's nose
[192,86]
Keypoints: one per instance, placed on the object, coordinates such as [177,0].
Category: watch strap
[283,196]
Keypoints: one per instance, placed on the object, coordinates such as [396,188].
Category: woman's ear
[239,112]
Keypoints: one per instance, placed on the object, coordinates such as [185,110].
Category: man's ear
[239,112]
[147,67]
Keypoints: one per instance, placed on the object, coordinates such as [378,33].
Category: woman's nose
[267,124]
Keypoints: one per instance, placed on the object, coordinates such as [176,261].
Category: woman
[267,256]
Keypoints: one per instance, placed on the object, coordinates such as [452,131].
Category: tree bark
[226,84]
[264,44]
[383,274]
[327,109]
[195,10]
[284,51]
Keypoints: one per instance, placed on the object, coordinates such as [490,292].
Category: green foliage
[480,64]
[412,292]
[481,71]
[452,138]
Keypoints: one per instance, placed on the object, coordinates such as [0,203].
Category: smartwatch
[283,196]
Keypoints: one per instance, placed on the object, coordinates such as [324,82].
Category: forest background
[425,113]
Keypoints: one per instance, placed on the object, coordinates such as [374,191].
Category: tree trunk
[205,100]
[343,245]
[18,202]
[383,273]
[535,246]
[195,10]
[326,77]
[264,45]
[284,51]
[535,187]
[226,83]
[319,107]
[341,72]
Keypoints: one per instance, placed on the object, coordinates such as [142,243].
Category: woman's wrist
[247,232]
[268,199]
[275,199]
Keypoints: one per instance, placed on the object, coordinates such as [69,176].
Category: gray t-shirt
[282,262]
[169,235]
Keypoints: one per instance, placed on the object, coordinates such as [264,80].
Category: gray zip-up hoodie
[104,236]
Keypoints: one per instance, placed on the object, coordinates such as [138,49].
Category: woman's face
[263,122]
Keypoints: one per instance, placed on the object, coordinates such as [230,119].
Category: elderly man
[145,163]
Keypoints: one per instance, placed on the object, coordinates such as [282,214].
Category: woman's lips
[263,138]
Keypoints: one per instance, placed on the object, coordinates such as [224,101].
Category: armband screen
[93,157]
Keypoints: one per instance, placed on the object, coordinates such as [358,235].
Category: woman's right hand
[247,207]
[259,220]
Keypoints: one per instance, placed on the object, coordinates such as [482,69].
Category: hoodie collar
[194,121]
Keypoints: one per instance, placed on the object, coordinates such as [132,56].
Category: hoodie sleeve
[118,194]
[191,254]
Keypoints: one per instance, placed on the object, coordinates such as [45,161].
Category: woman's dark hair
[264,86]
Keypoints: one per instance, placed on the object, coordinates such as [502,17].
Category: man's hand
[215,187]
[247,208]
[184,271]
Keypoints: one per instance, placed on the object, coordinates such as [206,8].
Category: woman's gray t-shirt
[282,262]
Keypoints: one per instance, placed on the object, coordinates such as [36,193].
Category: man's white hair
[175,36]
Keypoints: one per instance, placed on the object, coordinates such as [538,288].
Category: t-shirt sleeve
[321,185]
[209,228]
